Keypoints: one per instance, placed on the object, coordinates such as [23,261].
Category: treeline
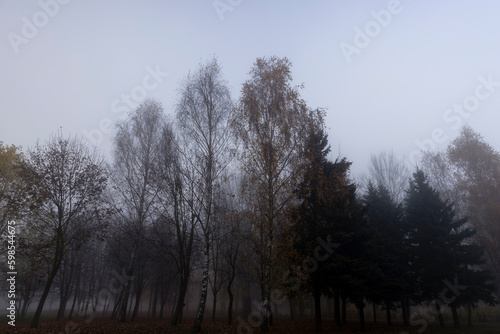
[241,195]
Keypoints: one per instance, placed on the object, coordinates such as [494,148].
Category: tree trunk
[336,307]
[117,305]
[405,306]
[292,313]
[317,310]
[247,300]
[162,307]
[454,313]
[137,301]
[130,271]
[151,297]
[65,291]
[301,303]
[440,315]
[361,310]
[155,300]
[204,288]
[230,306]
[53,272]
[374,313]
[62,307]
[388,311]
[75,296]
[177,318]
[264,326]
[344,309]
[214,306]
[469,315]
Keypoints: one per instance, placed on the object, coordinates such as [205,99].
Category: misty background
[394,92]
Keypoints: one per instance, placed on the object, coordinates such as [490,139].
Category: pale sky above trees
[72,64]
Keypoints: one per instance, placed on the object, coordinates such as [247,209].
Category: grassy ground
[486,321]
[281,326]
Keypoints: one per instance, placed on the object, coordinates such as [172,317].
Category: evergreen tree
[441,254]
[384,218]
[329,212]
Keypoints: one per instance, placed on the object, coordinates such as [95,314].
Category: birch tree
[467,173]
[272,125]
[204,115]
[136,151]
[175,226]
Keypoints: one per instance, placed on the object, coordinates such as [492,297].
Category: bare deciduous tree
[204,115]
[65,182]
[389,171]
[175,220]
[468,174]
[136,151]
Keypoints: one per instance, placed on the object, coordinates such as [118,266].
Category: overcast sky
[391,74]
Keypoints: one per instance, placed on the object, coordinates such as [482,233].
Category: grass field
[486,320]
[281,326]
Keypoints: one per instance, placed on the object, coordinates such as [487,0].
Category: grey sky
[396,90]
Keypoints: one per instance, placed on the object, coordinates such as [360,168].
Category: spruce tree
[384,219]
[324,195]
[442,254]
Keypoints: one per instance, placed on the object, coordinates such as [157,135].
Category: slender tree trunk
[130,307]
[388,312]
[292,313]
[162,307]
[374,312]
[117,305]
[403,310]
[75,296]
[65,292]
[317,310]
[163,297]
[177,318]
[469,315]
[204,288]
[405,305]
[137,301]
[230,306]
[440,315]
[264,326]
[247,299]
[344,309]
[230,294]
[130,271]
[336,307]
[454,313]
[361,310]
[151,297]
[53,272]
[214,306]
[155,299]
[62,307]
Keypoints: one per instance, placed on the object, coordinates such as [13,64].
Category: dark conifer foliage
[441,251]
